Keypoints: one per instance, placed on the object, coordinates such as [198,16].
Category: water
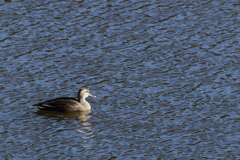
[166,76]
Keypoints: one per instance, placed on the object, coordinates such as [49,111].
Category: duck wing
[58,104]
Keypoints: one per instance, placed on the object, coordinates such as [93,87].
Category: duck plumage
[67,104]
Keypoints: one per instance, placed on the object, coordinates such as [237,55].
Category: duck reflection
[78,116]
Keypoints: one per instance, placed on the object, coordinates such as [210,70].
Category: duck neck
[81,99]
[84,103]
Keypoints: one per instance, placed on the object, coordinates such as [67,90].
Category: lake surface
[166,75]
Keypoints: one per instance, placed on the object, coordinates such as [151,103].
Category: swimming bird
[67,104]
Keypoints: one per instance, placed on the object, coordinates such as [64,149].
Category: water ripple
[166,76]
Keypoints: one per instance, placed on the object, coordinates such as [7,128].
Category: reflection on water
[166,74]
[79,116]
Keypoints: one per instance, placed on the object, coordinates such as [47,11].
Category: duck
[68,104]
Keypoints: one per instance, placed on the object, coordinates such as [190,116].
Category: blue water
[166,76]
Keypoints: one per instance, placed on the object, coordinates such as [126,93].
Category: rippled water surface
[166,76]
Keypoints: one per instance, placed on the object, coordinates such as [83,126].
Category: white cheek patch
[85,94]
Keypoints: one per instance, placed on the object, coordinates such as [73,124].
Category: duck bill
[92,96]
